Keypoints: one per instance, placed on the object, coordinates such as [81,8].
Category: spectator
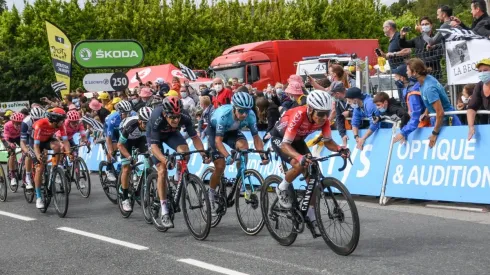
[481,95]
[98,112]
[432,56]
[191,92]
[106,101]
[364,107]
[463,99]
[295,93]
[342,110]
[396,54]
[143,99]
[444,14]
[67,101]
[223,95]
[434,97]
[208,110]
[481,22]
[187,101]
[234,83]
[414,103]
[176,84]
[390,107]
[202,87]
[267,114]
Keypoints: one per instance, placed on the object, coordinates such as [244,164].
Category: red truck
[268,62]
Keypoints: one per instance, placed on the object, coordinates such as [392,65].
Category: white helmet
[319,100]
[144,114]
[37,113]
[124,106]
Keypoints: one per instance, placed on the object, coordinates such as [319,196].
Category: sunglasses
[321,113]
[173,117]
[243,111]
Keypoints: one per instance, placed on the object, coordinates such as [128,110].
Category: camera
[406,29]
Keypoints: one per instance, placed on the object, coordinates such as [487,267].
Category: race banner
[15,106]
[461,58]
[60,48]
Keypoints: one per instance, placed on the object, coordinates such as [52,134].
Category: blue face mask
[382,110]
[484,77]
[399,84]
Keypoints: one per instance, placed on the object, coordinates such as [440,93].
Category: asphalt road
[396,239]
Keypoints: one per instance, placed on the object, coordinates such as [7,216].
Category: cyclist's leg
[126,169]
[28,162]
[12,161]
[239,142]
[39,175]
[56,146]
[218,160]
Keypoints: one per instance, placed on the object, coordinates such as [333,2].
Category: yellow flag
[61,49]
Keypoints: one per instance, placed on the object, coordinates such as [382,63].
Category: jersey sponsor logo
[297,118]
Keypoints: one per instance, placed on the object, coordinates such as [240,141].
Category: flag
[61,52]
[459,34]
[188,73]
[58,87]
[96,125]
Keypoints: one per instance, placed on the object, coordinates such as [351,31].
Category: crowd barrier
[455,170]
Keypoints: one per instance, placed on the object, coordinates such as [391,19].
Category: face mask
[382,110]
[354,105]
[484,77]
[135,101]
[465,99]
[218,88]
[426,29]
[183,94]
[399,84]
[279,92]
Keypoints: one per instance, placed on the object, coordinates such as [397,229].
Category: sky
[20,3]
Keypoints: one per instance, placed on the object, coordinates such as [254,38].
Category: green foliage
[180,30]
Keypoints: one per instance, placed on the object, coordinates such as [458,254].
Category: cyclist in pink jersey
[11,140]
[73,126]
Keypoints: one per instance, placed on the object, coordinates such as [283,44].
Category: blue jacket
[368,110]
[416,107]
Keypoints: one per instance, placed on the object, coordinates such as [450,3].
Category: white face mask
[426,28]
[465,99]
[183,94]
[354,105]
[218,88]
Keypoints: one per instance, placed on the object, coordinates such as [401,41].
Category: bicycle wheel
[247,205]
[147,196]
[205,178]
[109,188]
[156,206]
[12,188]
[279,222]
[120,196]
[59,189]
[82,177]
[68,170]
[195,203]
[28,193]
[3,185]
[333,205]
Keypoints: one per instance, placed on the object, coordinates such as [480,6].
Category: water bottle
[118,167]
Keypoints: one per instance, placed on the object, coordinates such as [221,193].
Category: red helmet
[172,105]
[73,115]
[17,117]
[56,115]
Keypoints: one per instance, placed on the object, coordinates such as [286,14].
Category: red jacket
[224,97]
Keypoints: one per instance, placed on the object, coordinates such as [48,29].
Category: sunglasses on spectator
[242,111]
[173,117]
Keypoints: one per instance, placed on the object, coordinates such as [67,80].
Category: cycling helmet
[73,115]
[37,113]
[172,105]
[144,114]
[124,106]
[17,117]
[319,100]
[56,115]
[242,100]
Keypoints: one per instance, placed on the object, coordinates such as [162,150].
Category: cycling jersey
[159,127]
[113,121]
[10,132]
[26,128]
[295,125]
[71,131]
[43,131]
[222,121]
[130,130]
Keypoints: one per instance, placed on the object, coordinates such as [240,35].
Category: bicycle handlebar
[320,159]
[235,154]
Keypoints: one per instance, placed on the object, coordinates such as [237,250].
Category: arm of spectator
[272,117]
[340,119]
[473,106]
[276,100]
[417,107]
[315,85]
[404,43]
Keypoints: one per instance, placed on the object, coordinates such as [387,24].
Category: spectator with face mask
[444,15]
[295,92]
[391,107]
[223,95]
[342,110]
[187,101]
[480,99]
[143,99]
[207,112]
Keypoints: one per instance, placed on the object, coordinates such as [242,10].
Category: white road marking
[15,216]
[103,238]
[211,267]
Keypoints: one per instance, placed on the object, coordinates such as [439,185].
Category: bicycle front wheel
[337,216]
[196,207]
[247,206]
[28,193]
[59,189]
[109,187]
[3,184]
[82,176]
[12,188]
[120,198]
[147,195]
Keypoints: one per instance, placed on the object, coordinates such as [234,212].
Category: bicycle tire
[264,203]
[351,246]
[28,194]
[45,193]
[209,171]
[61,207]
[252,201]
[156,206]
[147,197]
[194,181]
[67,174]
[9,180]
[105,185]
[3,185]
[120,196]
[88,186]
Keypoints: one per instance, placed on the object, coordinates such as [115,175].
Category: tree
[3,5]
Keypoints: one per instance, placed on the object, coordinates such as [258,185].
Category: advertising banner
[455,169]
[60,48]
[15,106]
[93,54]
[462,56]
[105,82]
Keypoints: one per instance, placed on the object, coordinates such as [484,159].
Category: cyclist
[225,125]
[163,127]
[132,136]
[25,139]
[11,139]
[72,126]
[43,139]
[288,140]
[124,109]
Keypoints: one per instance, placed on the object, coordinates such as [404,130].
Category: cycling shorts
[230,138]
[298,145]
[139,143]
[172,139]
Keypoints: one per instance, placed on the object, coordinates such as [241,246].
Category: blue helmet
[242,100]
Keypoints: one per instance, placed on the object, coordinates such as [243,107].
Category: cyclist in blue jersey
[225,125]
[111,128]
[26,139]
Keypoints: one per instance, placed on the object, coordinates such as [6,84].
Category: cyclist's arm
[258,143]
[153,131]
[220,133]
[120,145]
[327,136]
[108,138]
[23,137]
[252,125]
[197,143]
[64,138]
